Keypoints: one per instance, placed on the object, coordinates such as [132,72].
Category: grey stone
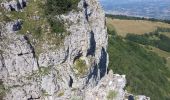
[14,5]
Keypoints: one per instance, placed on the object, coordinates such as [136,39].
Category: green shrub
[55,7]
[38,32]
[111,95]
[2,90]
[42,71]
[80,66]
[4,18]
[61,94]
[160,29]
[44,92]
[58,7]
[56,25]
[153,38]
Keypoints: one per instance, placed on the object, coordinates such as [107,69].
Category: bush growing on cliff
[111,95]
[54,7]
[58,7]
[80,66]
[57,26]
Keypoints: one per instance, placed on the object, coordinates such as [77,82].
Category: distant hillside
[143,58]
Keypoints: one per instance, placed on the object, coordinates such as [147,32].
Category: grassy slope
[162,53]
[124,26]
[146,71]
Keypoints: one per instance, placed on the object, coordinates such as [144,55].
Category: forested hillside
[147,73]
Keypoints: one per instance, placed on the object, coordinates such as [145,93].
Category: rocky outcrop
[14,5]
[110,87]
[56,74]
[142,97]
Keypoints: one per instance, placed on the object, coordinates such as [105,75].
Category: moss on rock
[80,66]
[2,90]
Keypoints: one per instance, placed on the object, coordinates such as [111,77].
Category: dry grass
[134,26]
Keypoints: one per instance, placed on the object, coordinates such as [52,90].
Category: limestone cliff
[76,70]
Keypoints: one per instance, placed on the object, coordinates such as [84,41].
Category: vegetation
[57,26]
[61,93]
[4,18]
[111,95]
[161,29]
[43,71]
[153,38]
[80,66]
[57,7]
[54,7]
[146,72]
[2,90]
[44,92]
[136,18]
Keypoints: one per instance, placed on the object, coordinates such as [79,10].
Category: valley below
[140,49]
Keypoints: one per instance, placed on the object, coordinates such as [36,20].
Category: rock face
[110,87]
[57,74]
[14,5]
